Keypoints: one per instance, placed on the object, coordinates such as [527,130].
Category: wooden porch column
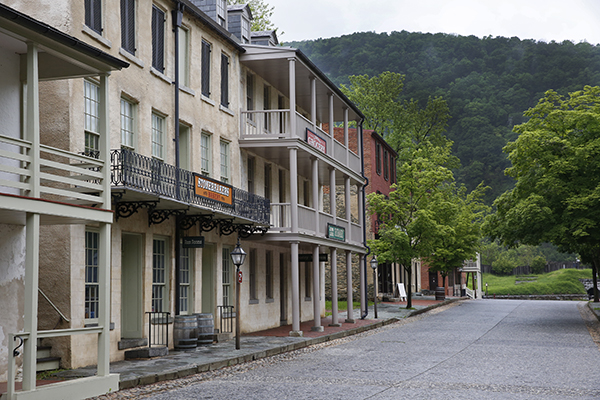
[295,291]
[316,291]
[32,224]
[350,316]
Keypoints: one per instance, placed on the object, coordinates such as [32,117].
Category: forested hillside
[488,83]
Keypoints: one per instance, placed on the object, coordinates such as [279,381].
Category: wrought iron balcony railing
[133,170]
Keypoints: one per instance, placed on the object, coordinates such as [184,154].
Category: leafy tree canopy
[261,13]
[556,165]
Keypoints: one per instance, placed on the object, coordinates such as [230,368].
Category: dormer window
[245,30]
[222,13]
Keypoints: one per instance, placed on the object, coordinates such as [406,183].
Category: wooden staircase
[45,360]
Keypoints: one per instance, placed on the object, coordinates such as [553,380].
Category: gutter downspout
[177,14]
[364,211]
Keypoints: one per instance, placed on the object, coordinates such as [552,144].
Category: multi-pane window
[205,68]
[128,25]
[159,275]
[222,13]
[158,39]
[185,281]
[251,163]
[158,136]
[205,154]
[226,279]
[386,170]
[91,275]
[92,118]
[224,80]
[127,124]
[267,106]
[252,277]
[267,192]
[245,30]
[269,274]
[250,92]
[224,161]
[378,158]
[184,56]
[93,15]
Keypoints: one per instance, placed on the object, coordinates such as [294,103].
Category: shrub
[537,265]
[503,266]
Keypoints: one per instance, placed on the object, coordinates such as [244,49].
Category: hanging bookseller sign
[212,189]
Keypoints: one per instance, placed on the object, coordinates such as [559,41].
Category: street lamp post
[373,263]
[238,256]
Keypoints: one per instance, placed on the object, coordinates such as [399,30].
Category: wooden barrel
[206,329]
[440,293]
[185,332]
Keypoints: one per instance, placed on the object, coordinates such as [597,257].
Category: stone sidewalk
[252,346]
[257,345]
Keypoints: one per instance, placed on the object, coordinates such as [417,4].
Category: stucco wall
[12,286]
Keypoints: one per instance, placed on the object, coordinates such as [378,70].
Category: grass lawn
[564,281]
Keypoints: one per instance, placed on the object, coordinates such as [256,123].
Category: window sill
[160,75]
[253,302]
[308,299]
[269,300]
[97,37]
[131,57]
[226,110]
[187,90]
[208,100]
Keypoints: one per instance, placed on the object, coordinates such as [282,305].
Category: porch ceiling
[272,64]
[277,152]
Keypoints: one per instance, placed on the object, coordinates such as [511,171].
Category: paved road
[485,349]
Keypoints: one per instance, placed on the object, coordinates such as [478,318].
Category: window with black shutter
[158,39]
[385,165]
[378,158]
[128,25]
[224,80]
[93,15]
[205,69]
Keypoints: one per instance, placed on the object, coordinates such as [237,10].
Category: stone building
[210,139]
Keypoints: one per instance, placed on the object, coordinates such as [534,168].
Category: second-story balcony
[276,124]
[141,178]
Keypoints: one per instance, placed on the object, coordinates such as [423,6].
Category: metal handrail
[54,306]
[130,169]
[226,316]
[158,322]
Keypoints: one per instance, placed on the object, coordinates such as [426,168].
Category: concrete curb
[593,310]
[193,369]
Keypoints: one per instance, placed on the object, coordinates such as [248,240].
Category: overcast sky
[546,20]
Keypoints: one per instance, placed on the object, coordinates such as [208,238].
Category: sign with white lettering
[309,257]
[316,141]
[192,242]
[213,189]
[336,232]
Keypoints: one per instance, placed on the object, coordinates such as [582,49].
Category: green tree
[556,165]
[378,98]
[538,264]
[503,265]
[261,13]
[408,228]
[459,216]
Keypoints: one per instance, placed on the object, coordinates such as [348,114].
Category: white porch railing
[63,175]
[470,292]
[272,124]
